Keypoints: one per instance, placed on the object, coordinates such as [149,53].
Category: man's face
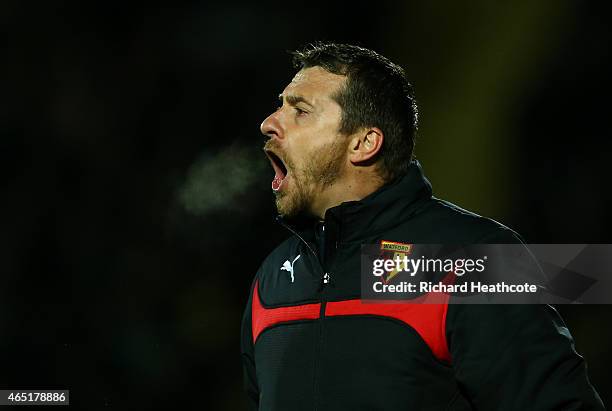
[306,150]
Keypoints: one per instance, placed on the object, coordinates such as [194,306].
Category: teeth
[277,182]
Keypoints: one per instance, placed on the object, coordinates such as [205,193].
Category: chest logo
[393,250]
[288,266]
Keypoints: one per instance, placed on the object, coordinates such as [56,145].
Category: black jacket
[308,343]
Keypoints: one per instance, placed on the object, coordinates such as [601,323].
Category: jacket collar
[374,214]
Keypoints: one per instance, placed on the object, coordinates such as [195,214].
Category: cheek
[305,145]
[298,150]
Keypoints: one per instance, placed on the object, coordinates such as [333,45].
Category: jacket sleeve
[248,357]
[517,357]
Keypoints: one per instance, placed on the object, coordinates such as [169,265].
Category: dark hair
[376,94]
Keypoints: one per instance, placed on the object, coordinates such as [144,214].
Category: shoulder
[460,225]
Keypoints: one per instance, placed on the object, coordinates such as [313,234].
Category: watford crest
[390,250]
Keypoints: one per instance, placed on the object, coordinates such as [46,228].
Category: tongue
[276,183]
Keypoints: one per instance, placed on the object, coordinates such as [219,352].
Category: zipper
[325,280]
[326,277]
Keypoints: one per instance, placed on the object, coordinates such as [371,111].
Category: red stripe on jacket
[263,318]
[427,318]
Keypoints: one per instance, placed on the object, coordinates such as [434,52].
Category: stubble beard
[321,169]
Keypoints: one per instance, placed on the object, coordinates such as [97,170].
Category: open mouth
[280,170]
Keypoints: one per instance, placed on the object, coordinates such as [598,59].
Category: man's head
[347,122]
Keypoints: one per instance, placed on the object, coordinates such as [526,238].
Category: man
[341,147]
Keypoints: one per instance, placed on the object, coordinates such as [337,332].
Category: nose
[272,127]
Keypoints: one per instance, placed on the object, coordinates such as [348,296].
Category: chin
[288,207]
[285,210]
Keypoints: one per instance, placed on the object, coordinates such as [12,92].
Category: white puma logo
[287,266]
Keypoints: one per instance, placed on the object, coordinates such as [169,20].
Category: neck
[353,186]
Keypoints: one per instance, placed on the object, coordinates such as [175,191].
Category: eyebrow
[293,100]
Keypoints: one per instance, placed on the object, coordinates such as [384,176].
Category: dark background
[136,205]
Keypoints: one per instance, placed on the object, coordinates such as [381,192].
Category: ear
[365,144]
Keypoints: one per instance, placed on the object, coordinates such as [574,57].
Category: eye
[299,111]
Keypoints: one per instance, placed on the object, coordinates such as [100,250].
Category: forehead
[315,84]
